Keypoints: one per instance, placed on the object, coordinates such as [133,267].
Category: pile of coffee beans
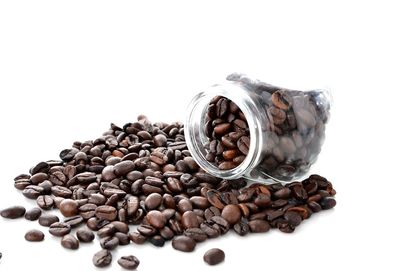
[142,174]
[294,129]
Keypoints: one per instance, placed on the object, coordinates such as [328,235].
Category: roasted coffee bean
[214,256]
[88,210]
[123,238]
[74,221]
[259,225]
[210,212]
[85,235]
[327,203]
[70,242]
[34,236]
[137,238]
[156,219]
[221,222]
[32,191]
[157,241]
[59,229]
[314,206]
[120,226]
[153,201]
[183,243]
[231,213]
[47,219]
[184,205]
[242,227]
[106,231]
[45,202]
[293,218]
[106,212]
[146,230]
[109,242]
[243,144]
[214,197]
[123,168]
[129,262]
[102,258]
[33,214]
[189,220]
[196,234]
[13,212]
[69,207]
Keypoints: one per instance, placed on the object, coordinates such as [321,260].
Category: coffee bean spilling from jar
[143,174]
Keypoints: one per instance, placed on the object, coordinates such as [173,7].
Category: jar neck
[195,123]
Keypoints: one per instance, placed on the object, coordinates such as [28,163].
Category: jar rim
[197,109]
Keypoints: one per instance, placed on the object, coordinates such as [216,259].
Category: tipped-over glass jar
[247,128]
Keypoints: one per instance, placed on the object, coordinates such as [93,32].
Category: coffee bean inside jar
[248,128]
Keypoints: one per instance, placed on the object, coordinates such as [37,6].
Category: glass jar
[286,129]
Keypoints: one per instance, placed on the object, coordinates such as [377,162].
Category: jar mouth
[195,135]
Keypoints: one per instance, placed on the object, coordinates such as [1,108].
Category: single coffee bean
[123,238]
[137,238]
[259,225]
[34,236]
[106,212]
[231,213]
[189,220]
[242,227]
[47,219]
[74,221]
[157,240]
[70,242]
[129,262]
[45,202]
[69,207]
[327,203]
[196,234]
[214,256]
[109,242]
[184,243]
[13,212]
[85,235]
[153,201]
[33,214]
[59,229]
[102,258]
[156,219]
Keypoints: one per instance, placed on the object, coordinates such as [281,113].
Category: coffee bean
[33,214]
[243,144]
[146,230]
[102,258]
[70,242]
[231,213]
[196,234]
[85,235]
[122,168]
[74,221]
[183,243]
[59,229]
[189,220]
[34,236]
[328,203]
[46,220]
[123,238]
[242,227]
[156,219]
[214,256]
[69,207]
[157,241]
[109,242]
[153,201]
[214,197]
[259,225]
[32,191]
[129,262]
[13,212]
[137,238]
[45,202]
[106,212]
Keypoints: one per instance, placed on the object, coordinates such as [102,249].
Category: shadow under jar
[248,128]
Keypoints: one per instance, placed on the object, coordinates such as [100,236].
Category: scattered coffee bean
[85,235]
[46,220]
[13,212]
[102,258]
[34,236]
[70,242]
[69,207]
[183,243]
[214,256]
[59,229]
[129,262]
[33,214]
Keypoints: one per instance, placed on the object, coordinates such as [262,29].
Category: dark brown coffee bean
[259,226]
[123,168]
[32,191]
[34,236]
[214,256]
[210,212]
[59,229]
[109,242]
[222,128]
[214,197]
[85,235]
[183,243]
[87,211]
[221,222]
[153,201]
[123,238]
[46,220]
[146,230]
[13,212]
[189,220]
[282,193]
[157,241]
[243,144]
[184,205]
[70,242]
[137,238]
[102,258]
[327,203]
[314,206]
[69,207]
[129,262]
[74,221]
[33,214]
[106,212]
[293,218]
[156,219]
[196,234]
[231,213]
[242,227]
[45,202]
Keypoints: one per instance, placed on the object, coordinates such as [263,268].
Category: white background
[69,68]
